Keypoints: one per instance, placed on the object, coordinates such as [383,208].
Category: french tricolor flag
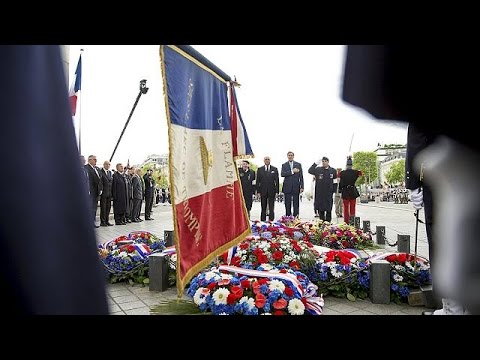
[241,144]
[208,207]
[76,86]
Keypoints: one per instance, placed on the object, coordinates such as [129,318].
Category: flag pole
[80,118]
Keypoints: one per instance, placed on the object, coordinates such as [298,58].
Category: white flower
[220,296]
[399,268]
[397,277]
[199,297]
[296,307]
[210,274]
[336,273]
[123,254]
[250,302]
[276,285]
[226,276]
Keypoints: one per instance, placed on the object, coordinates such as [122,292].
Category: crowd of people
[125,187]
[265,186]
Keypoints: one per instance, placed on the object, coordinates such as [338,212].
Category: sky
[290,100]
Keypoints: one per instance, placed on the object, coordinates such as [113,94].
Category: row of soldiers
[125,187]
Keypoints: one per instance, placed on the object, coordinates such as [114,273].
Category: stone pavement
[125,299]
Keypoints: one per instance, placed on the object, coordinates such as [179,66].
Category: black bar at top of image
[196,55]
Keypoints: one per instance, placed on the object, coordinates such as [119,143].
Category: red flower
[260,300]
[262,259]
[277,255]
[262,281]
[235,261]
[288,291]
[231,299]
[223,282]
[212,285]
[391,258]
[279,312]
[280,304]
[294,265]
[245,284]
[236,291]
[256,287]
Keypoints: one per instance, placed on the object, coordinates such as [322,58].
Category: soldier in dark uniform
[348,190]
[247,178]
[324,188]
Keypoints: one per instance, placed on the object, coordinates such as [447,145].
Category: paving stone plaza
[125,299]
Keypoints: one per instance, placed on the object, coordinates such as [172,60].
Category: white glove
[417,198]
[318,162]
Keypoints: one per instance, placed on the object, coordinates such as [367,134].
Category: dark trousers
[94,206]
[325,215]
[105,206]
[137,206]
[288,203]
[148,204]
[119,217]
[270,199]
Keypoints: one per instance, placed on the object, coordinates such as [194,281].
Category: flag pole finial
[235,82]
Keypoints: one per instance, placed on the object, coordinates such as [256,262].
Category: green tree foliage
[160,176]
[366,161]
[396,174]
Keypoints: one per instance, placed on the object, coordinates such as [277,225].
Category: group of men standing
[125,187]
[266,185]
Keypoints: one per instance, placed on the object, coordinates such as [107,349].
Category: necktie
[268,168]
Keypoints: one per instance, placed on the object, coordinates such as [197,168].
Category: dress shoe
[95,226]
[118,223]
[129,221]
[103,224]
[135,221]
[139,220]
[108,224]
[427,312]
[149,218]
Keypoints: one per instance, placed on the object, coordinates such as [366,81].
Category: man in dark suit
[119,195]
[106,177]
[137,188]
[292,184]
[268,188]
[149,193]
[95,184]
[247,177]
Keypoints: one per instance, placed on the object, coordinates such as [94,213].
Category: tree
[366,162]
[396,174]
